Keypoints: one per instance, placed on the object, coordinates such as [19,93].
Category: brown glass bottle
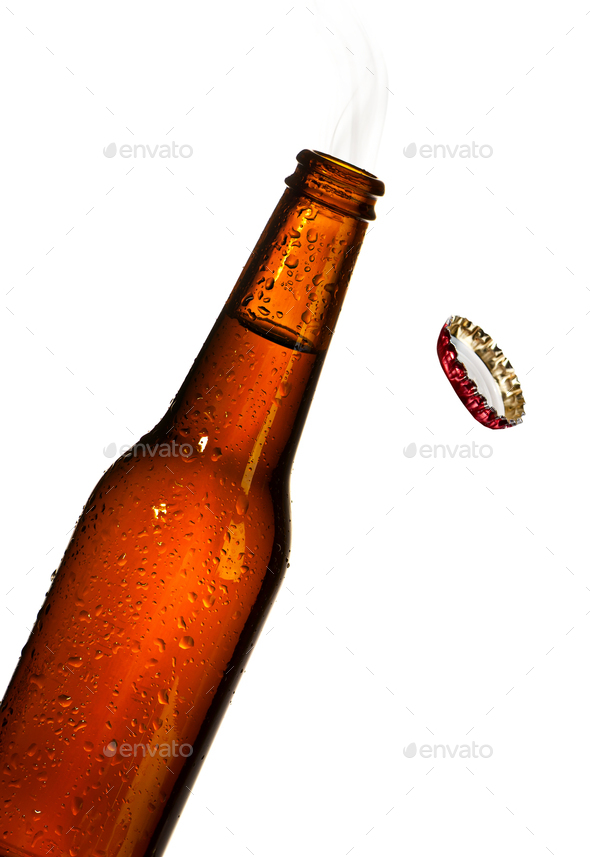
[178,554]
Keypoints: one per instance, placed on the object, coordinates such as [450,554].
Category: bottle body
[173,567]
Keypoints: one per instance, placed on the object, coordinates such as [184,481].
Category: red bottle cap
[479,374]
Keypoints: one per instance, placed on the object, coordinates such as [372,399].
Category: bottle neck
[245,400]
[295,280]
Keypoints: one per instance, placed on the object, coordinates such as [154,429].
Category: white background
[435,601]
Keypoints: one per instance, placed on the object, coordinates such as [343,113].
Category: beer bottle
[178,554]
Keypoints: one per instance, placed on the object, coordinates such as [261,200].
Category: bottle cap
[479,373]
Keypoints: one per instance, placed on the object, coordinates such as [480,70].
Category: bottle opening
[335,182]
[342,163]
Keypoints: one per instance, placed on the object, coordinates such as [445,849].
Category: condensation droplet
[242,504]
[110,749]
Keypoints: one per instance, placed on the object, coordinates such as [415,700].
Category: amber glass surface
[178,555]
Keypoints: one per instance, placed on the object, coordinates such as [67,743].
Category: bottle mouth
[336,183]
[342,163]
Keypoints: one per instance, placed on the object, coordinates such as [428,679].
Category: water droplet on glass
[77,805]
[110,749]
[242,504]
